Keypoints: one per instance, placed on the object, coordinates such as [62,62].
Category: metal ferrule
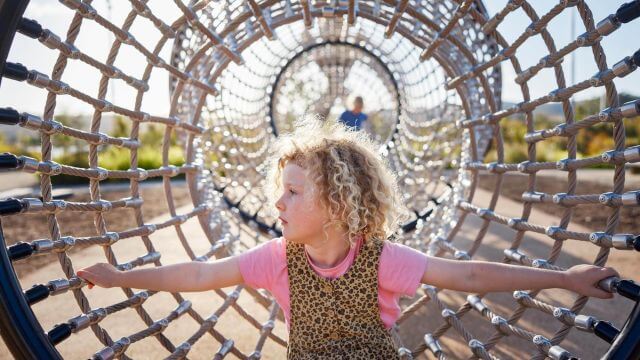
[539,263]
[112,238]
[553,231]
[605,115]
[630,109]
[632,154]
[476,346]
[50,40]
[461,255]
[54,168]
[42,246]
[514,255]
[58,87]
[51,127]
[558,353]
[514,223]
[432,344]
[235,294]
[99,139]
[124,267]
[28,164]
[622,241]
[520,295]
[534,197]
[122,345]
[631,198]
[269,325]
[606,198]
[103,174]
[80,322]
[213,319]
[33,204]
[563,164]
[541,341]
[105,354]
[484,213]
[498,322]
[600,238]
[184,306]
[142,174]
[140,298]
[609,284]
[559,198]
[477,303]
[38,79]
[226,347]
[565,315]
[607,25]
[129,143]
[447,313]
[596,80]
[161,325]
[96,315]
[584,322]
[70,50]
[182,349]
[133,202]
[150,229]
[256,354]
[623,67]
[492,168]
[58,286]
[608,156]
[524,166]
[150,257]
[30,121]
[104,205]
[173,170]
[64,243]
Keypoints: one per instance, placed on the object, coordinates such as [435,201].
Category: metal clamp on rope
[433,344]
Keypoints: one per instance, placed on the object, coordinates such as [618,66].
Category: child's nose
[280,204]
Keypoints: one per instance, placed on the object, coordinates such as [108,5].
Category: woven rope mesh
[238,74]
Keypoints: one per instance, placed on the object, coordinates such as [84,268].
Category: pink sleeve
[401,268]
[258,264]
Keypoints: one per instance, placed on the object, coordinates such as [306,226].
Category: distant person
[354,118]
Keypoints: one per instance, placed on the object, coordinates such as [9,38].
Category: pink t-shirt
[399,273]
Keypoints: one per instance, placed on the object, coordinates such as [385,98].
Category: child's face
[301,214]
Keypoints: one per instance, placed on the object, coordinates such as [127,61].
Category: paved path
[80,346]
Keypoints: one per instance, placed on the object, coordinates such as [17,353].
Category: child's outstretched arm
[181,277]
[482,277]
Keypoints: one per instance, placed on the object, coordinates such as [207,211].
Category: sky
[95,41]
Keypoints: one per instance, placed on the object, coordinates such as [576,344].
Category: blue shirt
[352,120]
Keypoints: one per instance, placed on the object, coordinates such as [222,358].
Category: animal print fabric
[339,318]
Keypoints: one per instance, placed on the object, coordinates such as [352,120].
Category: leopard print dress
[340,318]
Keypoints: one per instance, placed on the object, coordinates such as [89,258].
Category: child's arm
[181,277]
[482,277]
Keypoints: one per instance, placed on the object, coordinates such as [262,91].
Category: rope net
[239,73]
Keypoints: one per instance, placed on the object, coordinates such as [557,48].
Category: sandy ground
[60,308]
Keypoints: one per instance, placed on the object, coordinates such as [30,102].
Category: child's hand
[101,274]
[584,280]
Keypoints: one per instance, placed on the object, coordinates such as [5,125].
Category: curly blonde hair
[351,180]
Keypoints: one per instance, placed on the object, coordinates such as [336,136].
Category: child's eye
[292,192]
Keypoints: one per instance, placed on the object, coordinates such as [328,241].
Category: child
[332,272]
